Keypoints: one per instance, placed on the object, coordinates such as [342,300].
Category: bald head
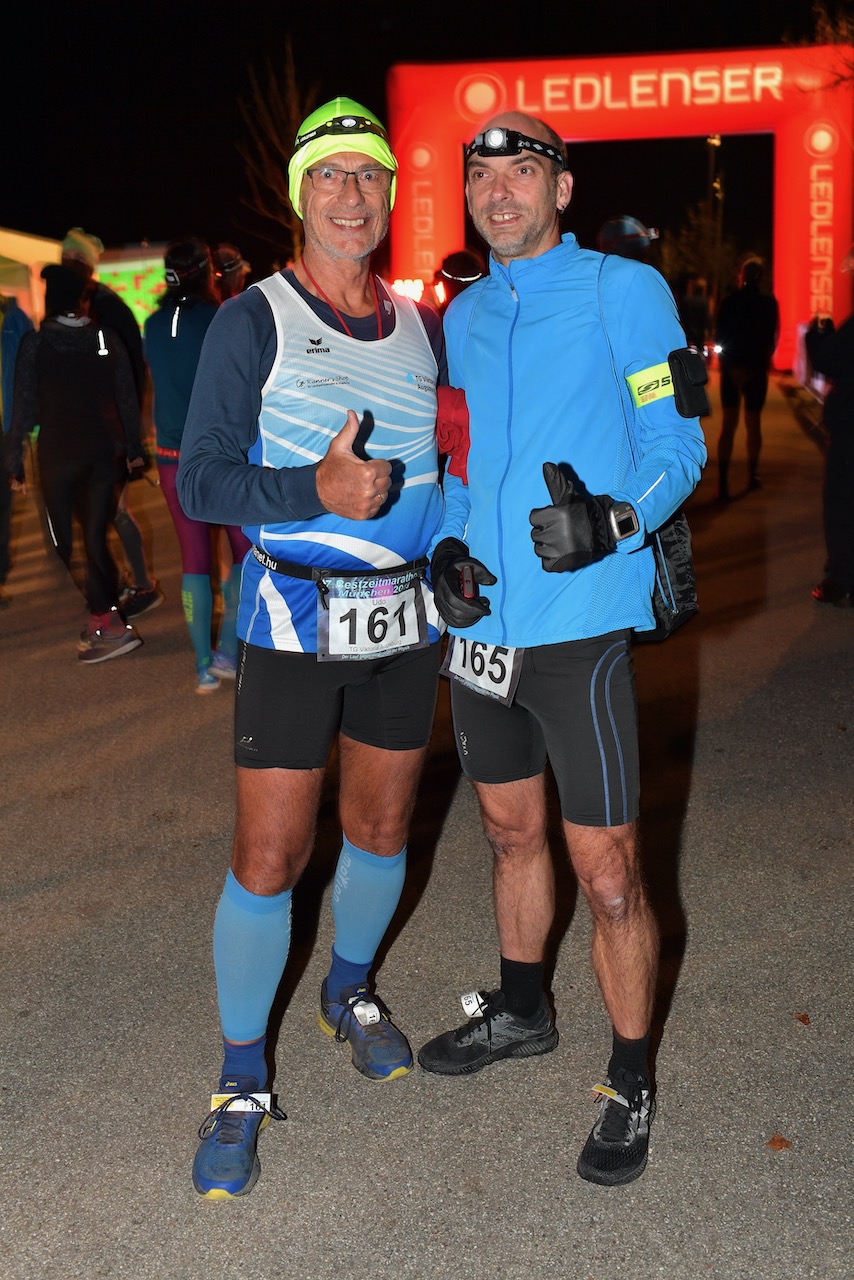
[517,185]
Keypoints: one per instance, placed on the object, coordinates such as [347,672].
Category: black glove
[575,530]
[449,559]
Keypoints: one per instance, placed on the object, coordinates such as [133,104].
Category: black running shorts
[737,381]
[575,706]
[289,706]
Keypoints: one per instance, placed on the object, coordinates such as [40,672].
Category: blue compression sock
[346,973]
[244,1065]
[365,895]
[197,599]
[228,629]
[251,941]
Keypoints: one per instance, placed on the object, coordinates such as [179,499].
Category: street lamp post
[714,202]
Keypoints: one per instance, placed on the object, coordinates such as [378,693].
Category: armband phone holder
[689,374]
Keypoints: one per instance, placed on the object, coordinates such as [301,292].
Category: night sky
[123,117]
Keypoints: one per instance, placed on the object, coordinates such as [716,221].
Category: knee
[382,835]
[514,838]
[612,884]
[264,868]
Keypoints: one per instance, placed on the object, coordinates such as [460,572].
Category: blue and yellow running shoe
[379,1051]
[226,1163]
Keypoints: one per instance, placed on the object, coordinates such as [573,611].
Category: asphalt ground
[115,825]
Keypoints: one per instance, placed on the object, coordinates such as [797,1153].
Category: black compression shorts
[576,706]
[740,380]
[289,706]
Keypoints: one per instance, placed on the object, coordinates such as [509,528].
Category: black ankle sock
[522,985]
[631,1056]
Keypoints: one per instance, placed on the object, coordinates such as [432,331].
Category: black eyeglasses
[327,178]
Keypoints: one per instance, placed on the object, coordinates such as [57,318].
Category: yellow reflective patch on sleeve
[651,384]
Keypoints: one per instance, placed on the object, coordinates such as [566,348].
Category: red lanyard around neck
[337,313]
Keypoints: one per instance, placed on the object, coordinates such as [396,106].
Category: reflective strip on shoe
[104,644]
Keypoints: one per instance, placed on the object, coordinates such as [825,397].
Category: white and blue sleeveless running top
[317,375]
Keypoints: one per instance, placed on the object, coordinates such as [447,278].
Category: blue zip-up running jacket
[543,384]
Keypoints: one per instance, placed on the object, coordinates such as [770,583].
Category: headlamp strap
[508,142]
[342,125]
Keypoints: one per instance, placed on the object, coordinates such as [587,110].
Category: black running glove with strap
[449,562]
[575,530]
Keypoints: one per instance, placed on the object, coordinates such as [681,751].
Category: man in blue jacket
[577,451]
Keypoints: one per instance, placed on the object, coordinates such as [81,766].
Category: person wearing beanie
[73,379]
[312,424]
[81,252]
[174,334]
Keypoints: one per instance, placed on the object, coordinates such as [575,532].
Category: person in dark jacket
[81,253]
[14,323]
[73,380]
[748,326]
[831,352]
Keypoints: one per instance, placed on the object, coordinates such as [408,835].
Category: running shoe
[206,683]
[226,1162]
[492,1033]
[136,600]
[222,666]
[379,1051]
[107,642]
[616,1151]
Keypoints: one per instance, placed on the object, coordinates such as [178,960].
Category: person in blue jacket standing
[173,342]
[552,520]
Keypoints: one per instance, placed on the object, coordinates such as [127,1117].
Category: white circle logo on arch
[480,96]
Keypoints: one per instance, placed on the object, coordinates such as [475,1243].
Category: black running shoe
[134,601]
[616,1150]
[492,1033]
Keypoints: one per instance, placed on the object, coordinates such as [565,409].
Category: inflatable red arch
[792,93]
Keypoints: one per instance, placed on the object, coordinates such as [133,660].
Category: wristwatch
[624,520]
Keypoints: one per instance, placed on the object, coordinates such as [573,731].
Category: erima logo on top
[317,348]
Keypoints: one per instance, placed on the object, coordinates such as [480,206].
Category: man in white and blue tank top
[312,425]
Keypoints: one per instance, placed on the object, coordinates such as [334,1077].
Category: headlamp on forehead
[341,125]
[507,142]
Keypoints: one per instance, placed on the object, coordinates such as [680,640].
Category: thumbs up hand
[347,485]
[574,530]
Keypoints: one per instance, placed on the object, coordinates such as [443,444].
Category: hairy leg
[625,934]
[377,793]
[514,819]
[275,825]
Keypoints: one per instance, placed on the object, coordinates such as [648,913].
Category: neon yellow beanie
[339,125]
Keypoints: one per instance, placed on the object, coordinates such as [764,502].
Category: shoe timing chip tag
[253,1102]
[366,1013]
[610,1093]
[472,1003]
